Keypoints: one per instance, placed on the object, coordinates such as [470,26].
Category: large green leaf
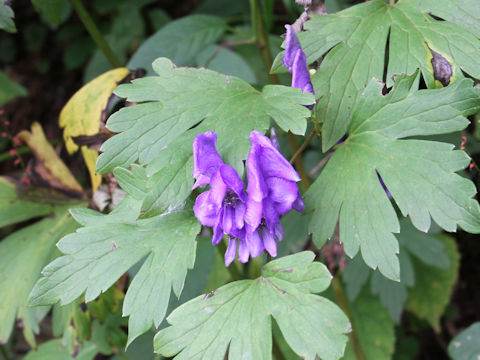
[433,286]
[354,45]
[373,328]
[99,253]
[157,132]
[466,345]
[6,18]
[50,9]
[237,316]
[180,40]
[428,248]
[24,253]
[419,174]
[56,350]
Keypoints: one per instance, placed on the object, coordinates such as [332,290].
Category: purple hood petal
[206,160]
[296,62]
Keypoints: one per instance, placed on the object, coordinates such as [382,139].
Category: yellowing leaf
[48,165]
[81,115]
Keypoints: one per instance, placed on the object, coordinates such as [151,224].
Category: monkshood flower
[272,191]
[223,205]
[296,63]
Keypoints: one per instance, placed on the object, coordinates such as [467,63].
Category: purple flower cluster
[252,222]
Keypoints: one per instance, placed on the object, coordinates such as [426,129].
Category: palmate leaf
[373,327]
[356,42]
[157,132]
[23,255]
[237,316]
[107,246]
[434,286]
[418,251]
[465,346]
[419,174]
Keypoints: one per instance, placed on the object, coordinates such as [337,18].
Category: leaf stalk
[95,33]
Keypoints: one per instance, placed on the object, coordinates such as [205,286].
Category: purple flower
[296,63]
[223,205]
[272,191]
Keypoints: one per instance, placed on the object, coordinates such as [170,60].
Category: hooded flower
[272,191]
[223,205]
[296,62]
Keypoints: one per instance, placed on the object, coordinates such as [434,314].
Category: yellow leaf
[48,164]
[81,115]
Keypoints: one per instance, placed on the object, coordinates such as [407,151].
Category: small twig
[321,164]
[303,146]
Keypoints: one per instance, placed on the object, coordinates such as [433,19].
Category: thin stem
[303,146]
[305,182]
[321,164]
[339,294]
[95,33]
[232,269]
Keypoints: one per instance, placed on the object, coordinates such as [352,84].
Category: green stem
[232,269]
[95,33]
[303,146]
[341,301]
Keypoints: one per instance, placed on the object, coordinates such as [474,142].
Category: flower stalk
[95,33]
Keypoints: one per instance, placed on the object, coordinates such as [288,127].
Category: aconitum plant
[260,181]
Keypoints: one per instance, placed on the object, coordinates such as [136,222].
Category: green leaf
[180,40]
[9,89]
[225,61]
[354,45]
[464,13]
[56,350]
[6,18]
[50,9]
[159,132]
[373,328]
[433,286]
[24,253]
[237,316]
[392,294]
[19,203]
[465,346]
[99,254]
[419,174]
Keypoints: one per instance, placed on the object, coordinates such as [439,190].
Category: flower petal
[270,213]
[228,218]
[231,250]
[256,187]
[206,211]
[232,180]
[240,215]
[298,204]
[283,193]
[253,214]
[206,160]
[292,46]
[279,231]
[269,242]
[243,253]
[254,243]
[217,232]
[270,161]
[218,189]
